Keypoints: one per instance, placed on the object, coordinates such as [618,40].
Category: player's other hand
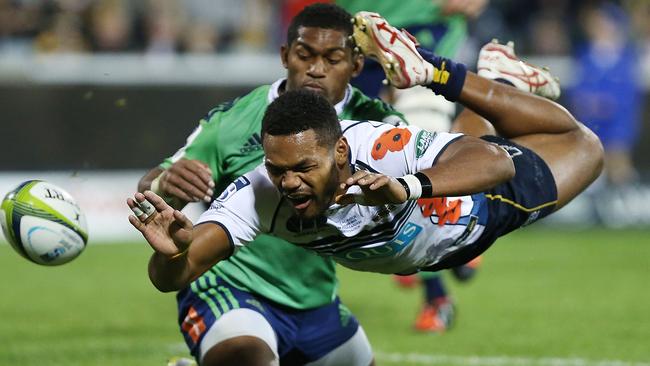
[188,180]
[376,189]
[167,230]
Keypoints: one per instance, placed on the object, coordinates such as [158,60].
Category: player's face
[321,60]
[306,173]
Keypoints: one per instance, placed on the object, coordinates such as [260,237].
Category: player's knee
[592,148]
[240,351]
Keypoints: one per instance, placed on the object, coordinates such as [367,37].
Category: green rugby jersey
[402,14]
[228,140]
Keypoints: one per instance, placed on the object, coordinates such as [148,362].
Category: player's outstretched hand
[167,230]
[376,189]
[188,180]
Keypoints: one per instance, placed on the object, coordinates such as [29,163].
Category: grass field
[548,298]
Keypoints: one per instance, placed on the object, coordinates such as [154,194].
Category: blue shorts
[529,196]
[303,335]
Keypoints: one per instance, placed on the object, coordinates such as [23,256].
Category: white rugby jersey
[393,238]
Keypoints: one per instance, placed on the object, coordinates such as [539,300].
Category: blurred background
[101,90]
[94,93]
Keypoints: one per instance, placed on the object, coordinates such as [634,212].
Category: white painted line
[429,359]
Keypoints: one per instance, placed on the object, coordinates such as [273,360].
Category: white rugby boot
[498,61]
[394,49]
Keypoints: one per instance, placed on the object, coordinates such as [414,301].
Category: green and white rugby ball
[43,223]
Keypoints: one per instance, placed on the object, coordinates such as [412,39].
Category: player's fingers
[189,183]
[153,203]
[368,180]
[177,192]
[344,199]
[183,221]
[354,178]
[379,182]
[136,209]
[204,171]
[350,198]
[137,223]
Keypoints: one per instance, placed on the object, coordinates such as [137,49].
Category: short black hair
[297,111]
[320,15]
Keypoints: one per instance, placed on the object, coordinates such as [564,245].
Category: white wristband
[415,187]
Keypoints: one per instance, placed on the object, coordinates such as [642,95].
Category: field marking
[429,359]
[449,360]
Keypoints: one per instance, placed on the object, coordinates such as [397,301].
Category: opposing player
[381,198]
[258,306]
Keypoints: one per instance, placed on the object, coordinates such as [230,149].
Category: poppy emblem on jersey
[446,211]
[238,184]
[392,140]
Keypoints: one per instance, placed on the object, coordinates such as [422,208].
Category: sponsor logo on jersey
[238,184]
[401,241]
[254,143]
[422,142]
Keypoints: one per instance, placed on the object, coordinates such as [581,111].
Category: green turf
[539,294]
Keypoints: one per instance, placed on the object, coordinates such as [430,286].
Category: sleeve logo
[392,140]
[422,142]
[238,184]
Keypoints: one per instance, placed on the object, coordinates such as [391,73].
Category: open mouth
[300,202]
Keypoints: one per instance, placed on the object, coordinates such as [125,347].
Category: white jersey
[394,238]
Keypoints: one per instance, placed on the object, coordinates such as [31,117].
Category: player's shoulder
[361,106]
[369,141]
[257,99]
[251,187]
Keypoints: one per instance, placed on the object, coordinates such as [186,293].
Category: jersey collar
[274,92]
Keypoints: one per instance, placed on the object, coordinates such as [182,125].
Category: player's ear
[357,63]
[341,151]
[284,55]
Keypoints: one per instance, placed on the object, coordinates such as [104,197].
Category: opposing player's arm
[145,182]
[183,182]
[469,165]
[182,252]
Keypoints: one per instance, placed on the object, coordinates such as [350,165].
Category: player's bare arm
[450,176]
[185,181]
[182,252]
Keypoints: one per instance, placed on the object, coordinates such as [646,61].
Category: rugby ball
[43,223]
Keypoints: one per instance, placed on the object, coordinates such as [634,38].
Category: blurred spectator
[111,26]
[606,96]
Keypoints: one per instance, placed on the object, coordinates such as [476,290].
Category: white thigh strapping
[356,351]
[236,323]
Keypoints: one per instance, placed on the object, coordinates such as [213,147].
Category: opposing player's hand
[376,189]
[188,180]
[167,230]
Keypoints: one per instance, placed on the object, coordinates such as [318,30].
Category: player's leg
[330,336]
[236,351]
[572,152]
[222,327]
[355,351]
[437,314]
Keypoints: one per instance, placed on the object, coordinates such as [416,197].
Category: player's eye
[303,55]
[333,61]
